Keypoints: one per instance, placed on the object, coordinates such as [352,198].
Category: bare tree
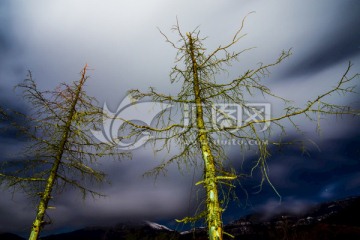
[200,94]
[61,150]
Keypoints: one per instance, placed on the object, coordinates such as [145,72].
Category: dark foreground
[328,221]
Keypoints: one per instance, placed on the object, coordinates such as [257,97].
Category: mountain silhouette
[327,221]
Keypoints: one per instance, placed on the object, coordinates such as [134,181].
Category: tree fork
[46,196]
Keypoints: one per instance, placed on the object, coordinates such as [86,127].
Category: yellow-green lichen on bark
[213,216]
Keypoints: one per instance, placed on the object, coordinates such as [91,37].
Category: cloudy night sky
[120,42]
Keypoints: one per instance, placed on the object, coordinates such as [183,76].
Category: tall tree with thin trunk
[61,149]
[202,98]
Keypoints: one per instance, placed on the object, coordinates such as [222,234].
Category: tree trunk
[213,215]
[46,195]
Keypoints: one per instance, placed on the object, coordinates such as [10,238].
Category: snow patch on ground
[158,226]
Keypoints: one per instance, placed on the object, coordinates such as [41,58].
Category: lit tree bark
[61,150]
[46,195]
[213,215]
[197,71]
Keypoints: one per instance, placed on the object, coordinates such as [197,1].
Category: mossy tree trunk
[213,215]
[46,195]
[200,73]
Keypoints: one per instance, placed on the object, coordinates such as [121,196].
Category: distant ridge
[10,236]
[328,221]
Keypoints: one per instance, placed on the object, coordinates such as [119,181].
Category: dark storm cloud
[15,208]
[339,42]
[11,69]
[129,196]
[289,205]
[4,42]
[13,117]
[9,44]
[327,171]
[5,39]
[120,40]
[336,159]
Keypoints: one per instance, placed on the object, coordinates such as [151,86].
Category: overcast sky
[120,42]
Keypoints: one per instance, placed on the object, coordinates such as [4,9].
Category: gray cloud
[119,40]
[129,196]
[289,205]
[339,42]
[5,26]
[16,211]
